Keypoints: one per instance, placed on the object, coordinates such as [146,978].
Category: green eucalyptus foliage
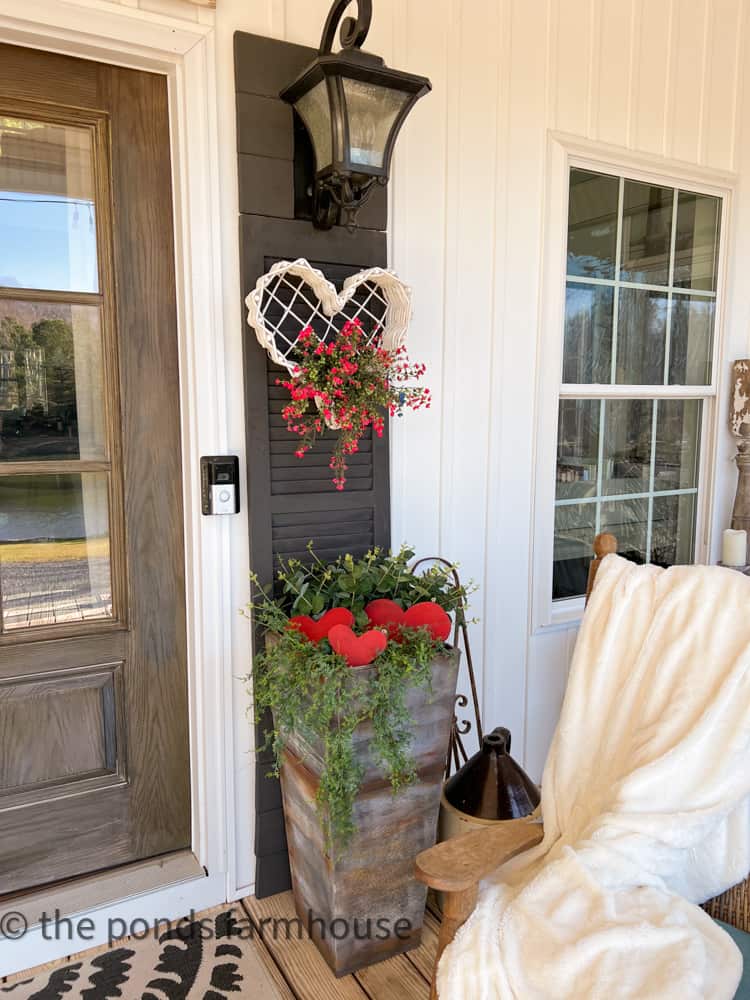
[311,691]
[311,587]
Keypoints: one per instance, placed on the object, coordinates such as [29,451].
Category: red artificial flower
[324,379]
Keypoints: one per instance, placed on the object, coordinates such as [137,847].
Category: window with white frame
[638,371]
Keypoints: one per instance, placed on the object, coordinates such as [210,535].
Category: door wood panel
[81,712]
[94,749]
[78,715]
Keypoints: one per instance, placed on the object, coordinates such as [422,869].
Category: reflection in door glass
[47,211]
[54,549]
[51,393]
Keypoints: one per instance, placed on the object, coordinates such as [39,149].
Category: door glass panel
[54,549]
[47,207]
[51,382]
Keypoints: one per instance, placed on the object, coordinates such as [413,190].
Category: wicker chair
[456,867]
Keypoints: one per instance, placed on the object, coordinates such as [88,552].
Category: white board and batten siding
[660,82]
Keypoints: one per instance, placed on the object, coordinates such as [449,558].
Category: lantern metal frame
[344,185]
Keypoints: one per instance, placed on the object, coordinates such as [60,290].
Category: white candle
[735,548]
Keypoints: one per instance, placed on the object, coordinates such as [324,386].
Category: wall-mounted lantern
[353,107]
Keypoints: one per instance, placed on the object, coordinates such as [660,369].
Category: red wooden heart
[317,630]
[431,616]
[357,650]
[385,614]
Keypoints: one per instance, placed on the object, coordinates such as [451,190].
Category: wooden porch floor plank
[271,969]
[423,957]
[394,979]
[300,962]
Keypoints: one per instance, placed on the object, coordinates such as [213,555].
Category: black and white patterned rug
[213,957]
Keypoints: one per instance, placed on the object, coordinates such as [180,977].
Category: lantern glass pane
[315,112]
[373,111]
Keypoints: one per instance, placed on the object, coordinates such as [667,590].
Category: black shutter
[291,500]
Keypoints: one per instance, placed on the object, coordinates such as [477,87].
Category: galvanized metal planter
[363,904]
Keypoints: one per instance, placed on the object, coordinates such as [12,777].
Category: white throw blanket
[645,798]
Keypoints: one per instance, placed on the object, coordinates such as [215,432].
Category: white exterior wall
[661,79]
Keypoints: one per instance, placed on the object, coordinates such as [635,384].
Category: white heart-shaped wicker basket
[293,295]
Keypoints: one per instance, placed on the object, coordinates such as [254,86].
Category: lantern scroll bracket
[353,30]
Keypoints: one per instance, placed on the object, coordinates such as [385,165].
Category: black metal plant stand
[457,755]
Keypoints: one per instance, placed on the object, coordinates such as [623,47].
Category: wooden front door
[94,768]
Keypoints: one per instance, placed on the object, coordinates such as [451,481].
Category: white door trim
[184,51]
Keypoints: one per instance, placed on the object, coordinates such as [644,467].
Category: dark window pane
[54,549]
[628,521]
[587,355]
[592,224]
[51,388]
[627,446]
[646,233]
[691,340]
[641,336]
[678,430]
[697,245]
[575,527]
[577,448]
[673,530]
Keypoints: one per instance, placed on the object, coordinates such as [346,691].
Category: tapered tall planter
[361,902]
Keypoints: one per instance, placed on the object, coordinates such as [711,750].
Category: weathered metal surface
[363,904]
[740,426]
[739,401]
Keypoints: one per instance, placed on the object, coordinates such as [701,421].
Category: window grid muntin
[652,493]
[669,289]
[656,392]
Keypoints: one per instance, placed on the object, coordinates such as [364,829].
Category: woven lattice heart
[294,295]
